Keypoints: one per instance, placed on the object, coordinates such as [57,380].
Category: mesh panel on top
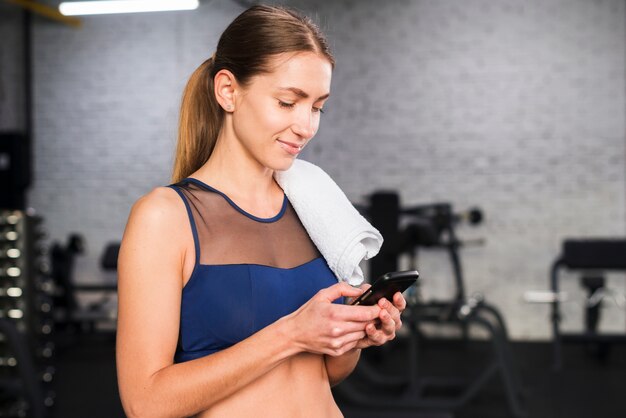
[228,235]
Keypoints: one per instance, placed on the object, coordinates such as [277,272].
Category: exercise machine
[70,316]
[433,226]
[27,349]
[591,258]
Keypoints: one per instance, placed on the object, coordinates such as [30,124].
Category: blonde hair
[245,49]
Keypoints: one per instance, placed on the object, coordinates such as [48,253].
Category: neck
[232,170]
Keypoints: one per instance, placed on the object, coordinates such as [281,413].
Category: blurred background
[484,138]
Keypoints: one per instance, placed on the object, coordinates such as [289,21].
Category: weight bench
[592,257]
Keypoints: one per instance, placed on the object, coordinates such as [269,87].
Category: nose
[305,124]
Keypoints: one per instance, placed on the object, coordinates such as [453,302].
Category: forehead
[306,71]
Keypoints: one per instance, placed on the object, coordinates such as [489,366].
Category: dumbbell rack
[26,345]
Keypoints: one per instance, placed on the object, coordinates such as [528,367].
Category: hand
[322,327]
[389,322]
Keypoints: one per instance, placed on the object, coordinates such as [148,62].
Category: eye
[318,109]
[286,105]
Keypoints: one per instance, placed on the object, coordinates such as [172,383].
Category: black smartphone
[386,286]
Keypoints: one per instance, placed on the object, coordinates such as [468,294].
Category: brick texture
[515,107]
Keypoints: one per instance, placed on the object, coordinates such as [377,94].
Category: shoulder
[161,203]
[153,234]
[158,213]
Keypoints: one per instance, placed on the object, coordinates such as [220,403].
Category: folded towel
[338,230]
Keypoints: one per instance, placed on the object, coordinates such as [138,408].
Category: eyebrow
[303,94]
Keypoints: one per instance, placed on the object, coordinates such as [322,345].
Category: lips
[290,147]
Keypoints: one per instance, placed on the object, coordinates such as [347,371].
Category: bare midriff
[297,388]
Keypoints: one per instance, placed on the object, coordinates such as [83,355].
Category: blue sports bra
[249,271]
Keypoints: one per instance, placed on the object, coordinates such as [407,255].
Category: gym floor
[85,382]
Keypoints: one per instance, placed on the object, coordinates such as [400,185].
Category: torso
[298,387]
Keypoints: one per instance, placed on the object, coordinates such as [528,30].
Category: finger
[398,324]
[364,343]
[345,348]
[339,343]
[389,307]
[346,327]
[399,301]
[338,290]
[363,288]
[354,336]
[374,335]
[388,324]
[393,311]
[354,313]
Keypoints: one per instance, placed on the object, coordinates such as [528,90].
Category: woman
[225,305]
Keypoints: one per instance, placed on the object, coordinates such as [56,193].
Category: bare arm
[150,286]
[338,368]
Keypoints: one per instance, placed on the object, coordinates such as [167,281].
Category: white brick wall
[517,107]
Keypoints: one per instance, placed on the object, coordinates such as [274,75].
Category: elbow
[140,407]
[151,409]
[139,399]
[134,408]
[146,399]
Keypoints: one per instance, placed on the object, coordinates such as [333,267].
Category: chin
[282,164]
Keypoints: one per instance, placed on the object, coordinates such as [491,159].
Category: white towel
[338,230]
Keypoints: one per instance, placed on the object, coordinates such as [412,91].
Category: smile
[292,149]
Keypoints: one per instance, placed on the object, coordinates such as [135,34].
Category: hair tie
[213,56]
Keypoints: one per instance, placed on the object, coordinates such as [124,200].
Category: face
[278,113]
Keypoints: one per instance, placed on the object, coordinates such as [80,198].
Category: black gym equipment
[432,226]
[592,258]
[15,169]
[26,330]
[70,316]
[23,385]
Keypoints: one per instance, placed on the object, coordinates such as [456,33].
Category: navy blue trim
[192,222]
[264,265]
[234,205]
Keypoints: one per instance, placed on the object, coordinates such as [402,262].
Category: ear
[225,87]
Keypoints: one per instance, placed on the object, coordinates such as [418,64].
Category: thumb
[338,290]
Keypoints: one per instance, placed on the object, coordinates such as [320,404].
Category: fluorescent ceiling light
[78,8]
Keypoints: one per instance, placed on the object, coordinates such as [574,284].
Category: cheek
[252,122]
[267,120]
[275,120]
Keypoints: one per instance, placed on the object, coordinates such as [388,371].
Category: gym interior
[484,139]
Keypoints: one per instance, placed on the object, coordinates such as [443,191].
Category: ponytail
[244,49]
[199,124]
